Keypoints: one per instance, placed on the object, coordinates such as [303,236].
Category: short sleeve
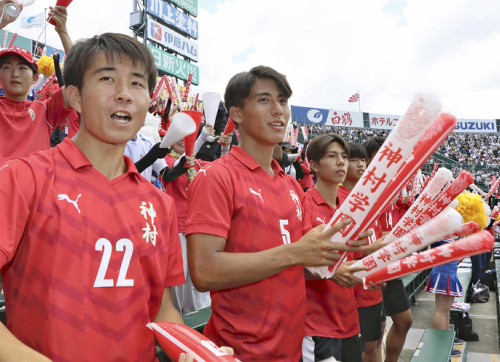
[16,195]
[210,202]
[175,270]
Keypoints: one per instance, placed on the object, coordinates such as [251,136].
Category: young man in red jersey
[89,248]
[332,323]
[26,126]
[244,230]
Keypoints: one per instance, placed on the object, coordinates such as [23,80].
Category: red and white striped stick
[407,222]
[449,194]
[46,84]
[188,85]
[438,228]
[11,43]
[4,40]
[475,244]
[177,94]
[380,182]
[493,188]
[159,86]
[478,190]
[195,103]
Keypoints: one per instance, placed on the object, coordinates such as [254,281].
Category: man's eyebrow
[268,94]
[111,69]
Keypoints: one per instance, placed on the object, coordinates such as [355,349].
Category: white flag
[34,21]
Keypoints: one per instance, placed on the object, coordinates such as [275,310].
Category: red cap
[23,53]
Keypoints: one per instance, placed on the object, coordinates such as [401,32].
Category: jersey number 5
[106,247]
[284,232]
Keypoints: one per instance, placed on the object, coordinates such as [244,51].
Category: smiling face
[264,115]
[113,100]
[16,77]
[332,167]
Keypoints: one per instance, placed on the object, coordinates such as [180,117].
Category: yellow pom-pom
[46,65]
[471,208]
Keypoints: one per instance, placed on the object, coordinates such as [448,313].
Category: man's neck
[262,154]
[105,158]
[349,184]
[329,191]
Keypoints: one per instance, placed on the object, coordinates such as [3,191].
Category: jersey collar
[77,159]
[247,160]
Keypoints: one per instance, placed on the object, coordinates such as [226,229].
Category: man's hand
[59,14]
[344,275]
[226,139]
[316,249]
[6,18]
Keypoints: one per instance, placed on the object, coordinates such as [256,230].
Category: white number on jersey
[106,247]
[284,232]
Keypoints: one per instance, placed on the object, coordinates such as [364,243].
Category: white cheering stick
[438,228]
[407,222]
[177,94]
[364,203]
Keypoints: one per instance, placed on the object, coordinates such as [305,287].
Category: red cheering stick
[175,338]
[475,244]
[159,86]
[188,85]
[190,140]
[195,103]
[170,90]
[407,222]
[440,227]
[230,126]
[64,3]
[434,169]
[468,228]
[46,85]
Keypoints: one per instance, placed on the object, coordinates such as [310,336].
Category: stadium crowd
[104,231]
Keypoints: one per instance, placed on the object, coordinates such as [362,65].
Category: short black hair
[372,145]
[114,46]
[240,85]
[318,146]
[356,150]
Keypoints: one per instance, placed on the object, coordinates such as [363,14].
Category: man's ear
[314,166]
[74,99]
[235,114]
[36,76]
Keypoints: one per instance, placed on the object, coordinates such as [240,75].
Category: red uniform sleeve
[16,194]
[210,200]
[175,273]
[56,112]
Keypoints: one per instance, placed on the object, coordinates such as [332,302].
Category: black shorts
[370,320]
[395,298]
[342,349]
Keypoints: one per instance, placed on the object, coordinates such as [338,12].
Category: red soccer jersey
[177,189]
[331,308]
[26,126]
[84,260]
[234,198]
